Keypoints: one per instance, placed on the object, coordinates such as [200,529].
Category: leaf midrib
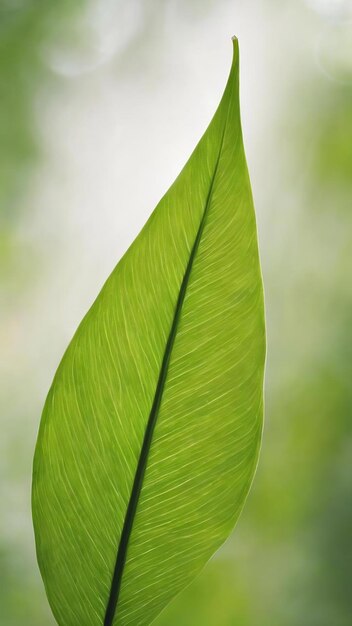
[153,415]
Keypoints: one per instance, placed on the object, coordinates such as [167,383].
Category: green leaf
[150,433]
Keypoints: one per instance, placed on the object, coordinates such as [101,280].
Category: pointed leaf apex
[235,48]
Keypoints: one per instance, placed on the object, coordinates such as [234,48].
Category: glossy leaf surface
[150,433]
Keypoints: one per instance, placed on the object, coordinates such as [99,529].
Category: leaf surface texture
[150,433]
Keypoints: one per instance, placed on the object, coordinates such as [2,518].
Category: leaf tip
[235,46]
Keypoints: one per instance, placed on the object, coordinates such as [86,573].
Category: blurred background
[101,103]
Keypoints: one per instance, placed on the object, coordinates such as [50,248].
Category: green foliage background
[101,103]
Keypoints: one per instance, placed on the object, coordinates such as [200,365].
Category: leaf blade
[110,373]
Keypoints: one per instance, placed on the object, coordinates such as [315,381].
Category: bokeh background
[101,103]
